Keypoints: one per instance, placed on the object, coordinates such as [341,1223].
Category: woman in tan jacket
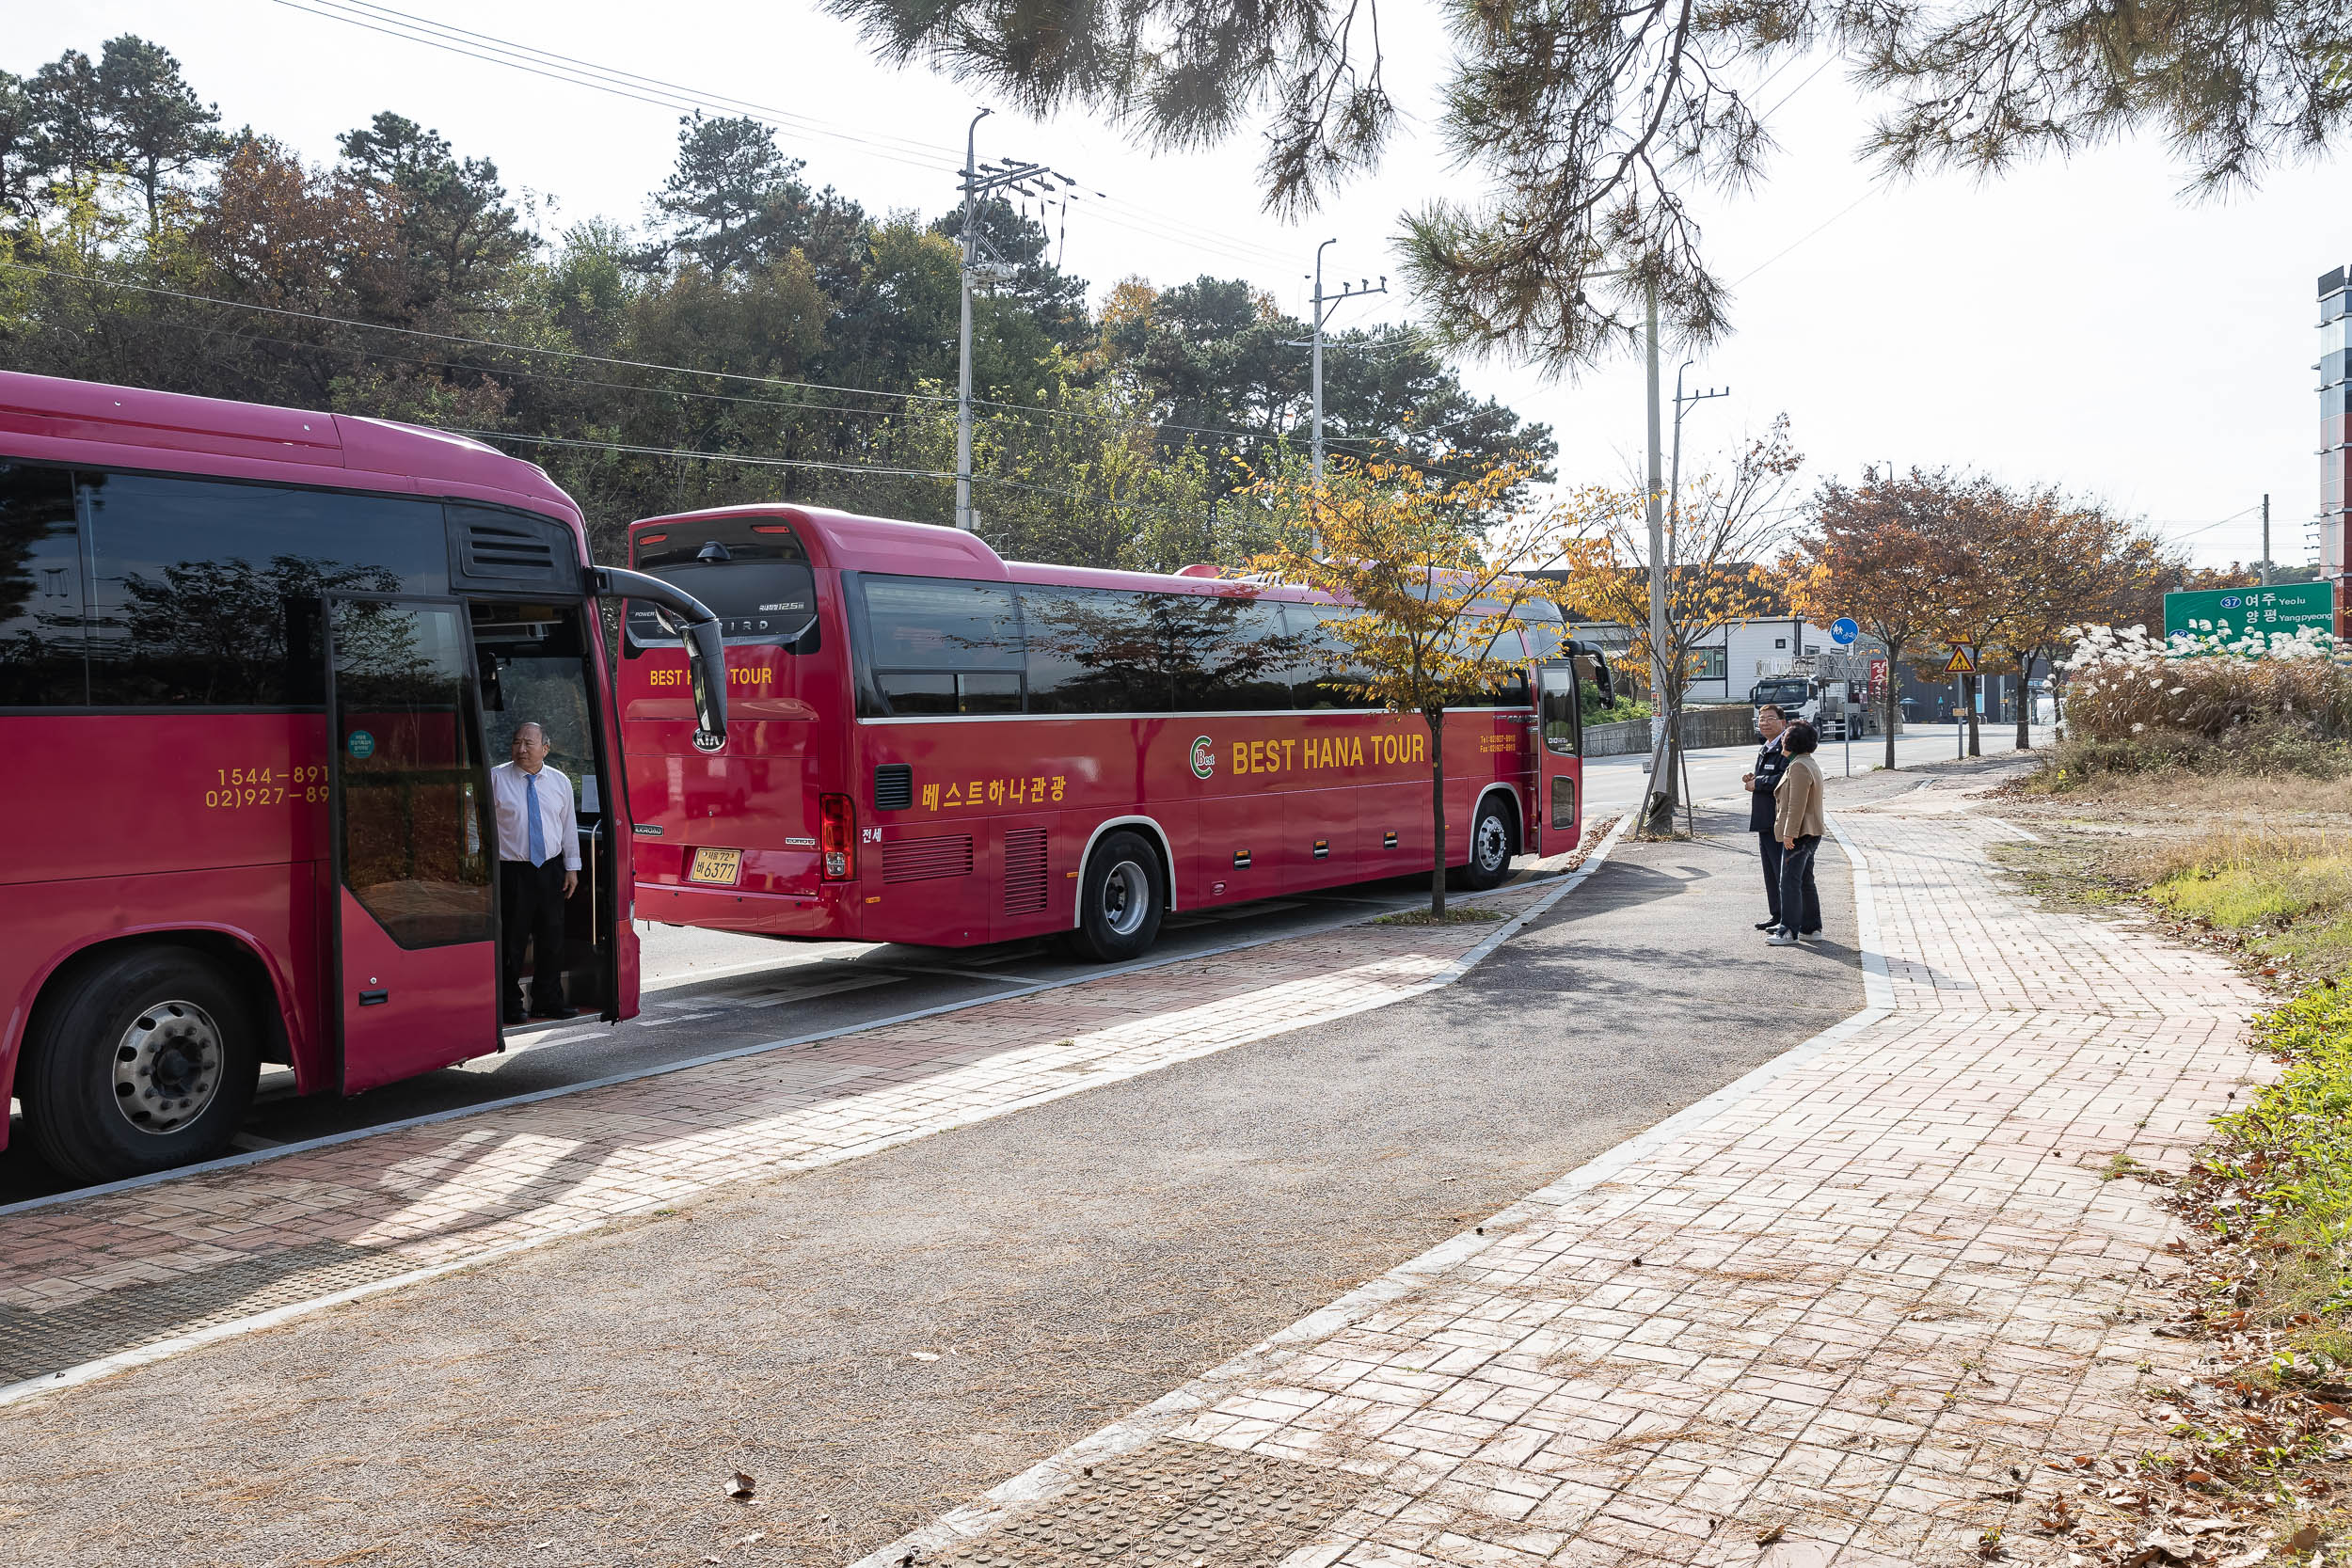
[1797,823]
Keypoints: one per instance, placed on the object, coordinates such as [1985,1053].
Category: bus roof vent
[496,546]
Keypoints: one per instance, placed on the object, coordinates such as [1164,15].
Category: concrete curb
[1051,1476]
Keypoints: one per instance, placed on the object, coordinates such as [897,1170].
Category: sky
[2075,323]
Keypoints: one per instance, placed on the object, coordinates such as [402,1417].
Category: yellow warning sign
[1964,659]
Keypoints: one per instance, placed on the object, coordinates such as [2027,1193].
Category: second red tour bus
[933,745]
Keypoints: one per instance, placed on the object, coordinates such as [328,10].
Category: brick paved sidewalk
[1841,1312]
[106,1281]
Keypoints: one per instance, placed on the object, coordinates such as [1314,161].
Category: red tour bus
[934,745]
[255,665]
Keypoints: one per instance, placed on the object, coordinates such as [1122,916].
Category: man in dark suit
[1769,763]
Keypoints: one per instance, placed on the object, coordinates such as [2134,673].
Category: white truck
[1820,703]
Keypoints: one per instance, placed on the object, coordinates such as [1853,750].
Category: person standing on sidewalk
[538,869]
[1770,721]
[1799,823]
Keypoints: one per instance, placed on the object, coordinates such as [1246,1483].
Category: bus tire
[140,1061]
[1120,895]
[1494,839]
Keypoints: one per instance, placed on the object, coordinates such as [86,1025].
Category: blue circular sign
[361,744]
[1843,630]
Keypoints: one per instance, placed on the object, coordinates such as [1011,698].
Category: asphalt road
[882,1340]
[707,990]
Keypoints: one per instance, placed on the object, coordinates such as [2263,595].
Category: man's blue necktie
[530,809]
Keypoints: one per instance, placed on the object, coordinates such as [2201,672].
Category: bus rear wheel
[1120,894]
[140,1061]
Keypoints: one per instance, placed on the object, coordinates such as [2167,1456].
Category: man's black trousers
[531,912]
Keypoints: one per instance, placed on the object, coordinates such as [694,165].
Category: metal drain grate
[34,1343]
[1171,1504]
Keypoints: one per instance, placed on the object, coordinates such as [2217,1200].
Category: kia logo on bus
[705,740]
[1203,757]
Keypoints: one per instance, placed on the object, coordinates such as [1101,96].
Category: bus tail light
[836,837]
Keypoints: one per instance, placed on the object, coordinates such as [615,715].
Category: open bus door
[413,966]
[1559,758]
[1560,748]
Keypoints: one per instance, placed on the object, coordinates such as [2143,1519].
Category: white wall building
[1731,658]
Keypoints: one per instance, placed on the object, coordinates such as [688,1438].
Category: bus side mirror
[1601,676]
[686,618]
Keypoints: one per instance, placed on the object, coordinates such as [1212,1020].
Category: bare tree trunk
[1969,695]
[2025,699]
[1436,809]
[1894,683]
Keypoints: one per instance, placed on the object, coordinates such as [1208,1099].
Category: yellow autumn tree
[1431,564]
[1721,530]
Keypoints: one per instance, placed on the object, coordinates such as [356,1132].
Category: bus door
[415,950]
[1559,758]
[532,666]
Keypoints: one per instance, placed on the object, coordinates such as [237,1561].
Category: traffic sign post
[1842,631]
[2231,613]
[1962,664]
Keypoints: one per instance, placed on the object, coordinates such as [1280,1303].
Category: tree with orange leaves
[1884,554]
[1433,564]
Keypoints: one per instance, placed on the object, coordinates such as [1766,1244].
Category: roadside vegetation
[2209,785]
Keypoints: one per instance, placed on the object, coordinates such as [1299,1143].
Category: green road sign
[2286,607]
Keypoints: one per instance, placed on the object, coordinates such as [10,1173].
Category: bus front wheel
[1120,895]
[140,1061]
[1493,839]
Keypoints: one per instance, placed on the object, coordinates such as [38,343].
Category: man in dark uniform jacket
[1769,763]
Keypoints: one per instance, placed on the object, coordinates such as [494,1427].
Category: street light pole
[1663,743]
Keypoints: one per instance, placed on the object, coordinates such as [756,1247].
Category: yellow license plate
[722,866]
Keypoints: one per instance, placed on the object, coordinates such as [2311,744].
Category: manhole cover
[1172,1504]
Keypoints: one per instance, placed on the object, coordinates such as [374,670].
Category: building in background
[2335,447]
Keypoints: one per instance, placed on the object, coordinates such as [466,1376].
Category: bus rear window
[751,572]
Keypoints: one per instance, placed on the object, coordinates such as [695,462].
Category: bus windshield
[753,573]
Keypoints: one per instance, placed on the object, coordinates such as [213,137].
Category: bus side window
[42,663]
[936,646]
[1321,677]
[204,589]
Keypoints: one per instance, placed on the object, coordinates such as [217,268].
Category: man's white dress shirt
[558,827]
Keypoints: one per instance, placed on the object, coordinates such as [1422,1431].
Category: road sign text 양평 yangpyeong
[2231,613]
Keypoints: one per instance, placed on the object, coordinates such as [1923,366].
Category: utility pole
[1674,484]
[1322,306]
[2265,540]
[981,180]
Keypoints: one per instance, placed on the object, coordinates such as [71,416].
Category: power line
[929,398]
[668,95]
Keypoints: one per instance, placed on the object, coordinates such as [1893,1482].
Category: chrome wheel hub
[1494,843]
[167,1067]
[1126,897]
